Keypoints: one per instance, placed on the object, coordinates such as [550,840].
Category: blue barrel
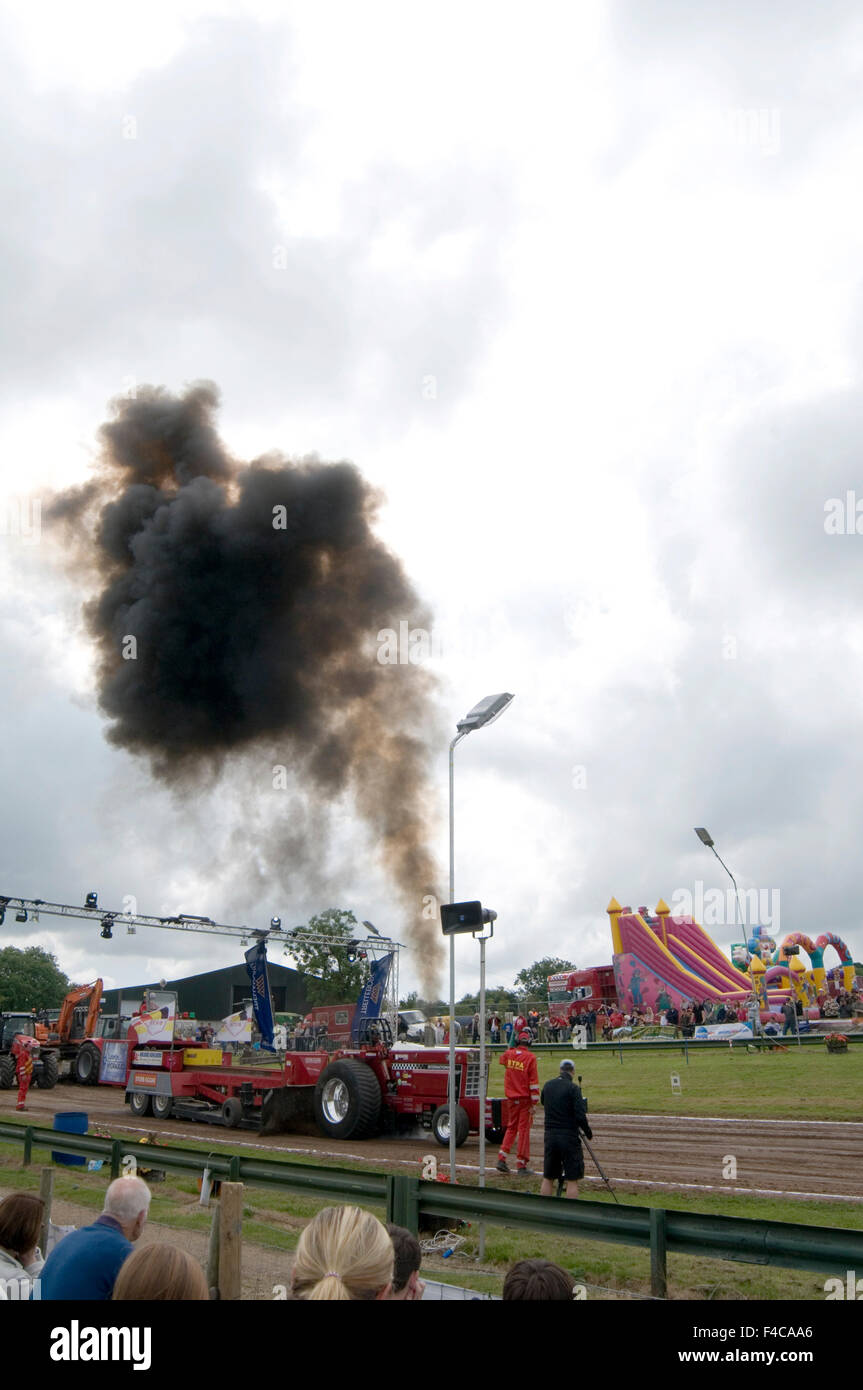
[70,1122]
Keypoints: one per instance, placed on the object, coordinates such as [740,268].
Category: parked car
[411,1025]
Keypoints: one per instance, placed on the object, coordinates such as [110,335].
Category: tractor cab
[12,1024]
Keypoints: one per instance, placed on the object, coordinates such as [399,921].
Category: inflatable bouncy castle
[660,960]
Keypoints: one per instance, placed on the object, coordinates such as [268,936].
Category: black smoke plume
[254,594]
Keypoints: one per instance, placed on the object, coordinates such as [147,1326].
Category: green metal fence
[819,1249]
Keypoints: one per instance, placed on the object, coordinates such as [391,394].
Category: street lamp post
[705,838]
[489,709]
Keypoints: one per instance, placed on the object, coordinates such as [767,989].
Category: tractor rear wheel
[47,1078]
[7,1073]
[348,1100]
[139,1103]
[440,1125]
[86,1064]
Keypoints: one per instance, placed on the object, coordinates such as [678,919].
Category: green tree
[30,979]
[532,982]
[330,978]
[500,1000]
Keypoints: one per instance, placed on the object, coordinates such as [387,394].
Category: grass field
[802,1083]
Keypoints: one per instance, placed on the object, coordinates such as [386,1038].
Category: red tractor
[351,1094]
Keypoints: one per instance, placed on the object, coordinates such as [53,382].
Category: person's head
[538,1281]
[567,1069]
[343,1254]
[128,1201]
[20,1222]
[160,1273]
[408,1258]
[524,1038]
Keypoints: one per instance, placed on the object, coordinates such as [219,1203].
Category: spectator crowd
[344,1254]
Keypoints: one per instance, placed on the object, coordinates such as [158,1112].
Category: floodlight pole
[482,1086]
[705,838]
[453,1099]
[486,712]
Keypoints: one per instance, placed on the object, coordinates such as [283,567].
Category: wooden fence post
[213,1251]
[230,1240]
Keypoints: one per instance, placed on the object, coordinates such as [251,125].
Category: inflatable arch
[813,950]
[846,963]
[790,977]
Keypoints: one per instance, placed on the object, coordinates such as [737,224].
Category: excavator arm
[75,997]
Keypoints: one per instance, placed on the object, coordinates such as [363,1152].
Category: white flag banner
[156,1026]
[234,1028]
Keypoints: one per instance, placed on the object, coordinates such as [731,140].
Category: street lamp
[705,838]
[489,709]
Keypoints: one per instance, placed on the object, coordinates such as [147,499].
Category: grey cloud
[123,255]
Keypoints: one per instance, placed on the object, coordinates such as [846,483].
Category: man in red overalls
[23,1050]
[521,1088]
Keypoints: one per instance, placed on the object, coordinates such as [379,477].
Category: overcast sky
[579,288]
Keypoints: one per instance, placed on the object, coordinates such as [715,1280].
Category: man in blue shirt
[85,1264]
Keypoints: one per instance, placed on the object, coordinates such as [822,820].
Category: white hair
[126,1198]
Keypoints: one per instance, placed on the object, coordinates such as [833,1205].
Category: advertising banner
[371,1000]
[723,1030]
[113,1064]
[262,1003]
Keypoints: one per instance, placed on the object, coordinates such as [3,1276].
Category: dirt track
[802,1158]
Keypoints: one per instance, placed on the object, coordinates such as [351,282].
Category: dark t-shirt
[564,1107]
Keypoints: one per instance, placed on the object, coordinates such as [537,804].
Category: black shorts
[563,1157]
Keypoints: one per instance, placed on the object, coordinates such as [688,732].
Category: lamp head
[489,709]
[704,836]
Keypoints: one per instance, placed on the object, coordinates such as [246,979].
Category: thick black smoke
[236,618]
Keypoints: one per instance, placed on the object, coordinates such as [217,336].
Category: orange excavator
[72,1036]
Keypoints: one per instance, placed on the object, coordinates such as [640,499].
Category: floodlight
[92,900]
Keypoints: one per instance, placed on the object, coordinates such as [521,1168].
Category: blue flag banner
[371,999]
[262,1003]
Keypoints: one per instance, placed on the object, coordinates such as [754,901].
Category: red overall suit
[23,1050]
[521,1088]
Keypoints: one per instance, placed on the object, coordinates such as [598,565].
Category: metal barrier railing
[820,1249]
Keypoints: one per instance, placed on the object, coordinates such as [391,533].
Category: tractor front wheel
[348,1100]
[7,1073]
[440,1125]
[47,1078]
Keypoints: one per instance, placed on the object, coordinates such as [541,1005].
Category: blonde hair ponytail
[344,1254]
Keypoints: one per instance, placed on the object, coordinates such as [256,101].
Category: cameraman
[565,1116]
